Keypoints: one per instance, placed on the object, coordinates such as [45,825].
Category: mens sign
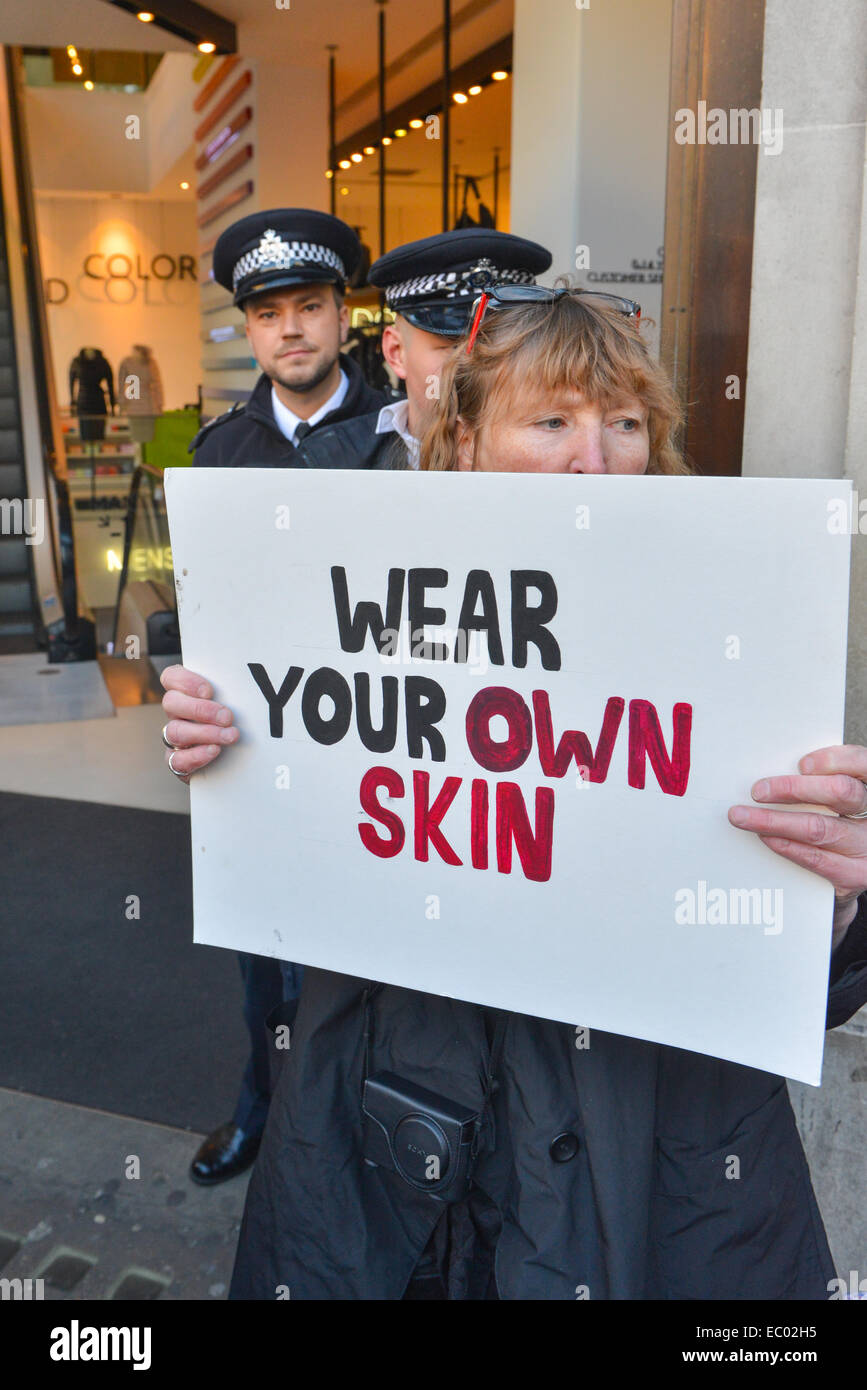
[565,804]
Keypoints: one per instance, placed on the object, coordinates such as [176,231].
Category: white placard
[693,630]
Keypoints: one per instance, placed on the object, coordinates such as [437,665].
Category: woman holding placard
[423,1147]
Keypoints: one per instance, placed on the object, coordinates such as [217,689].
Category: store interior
[121,237]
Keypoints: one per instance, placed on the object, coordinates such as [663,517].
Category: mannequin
[90,377]
[140,392]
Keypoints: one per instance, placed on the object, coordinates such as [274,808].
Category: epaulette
[217,420]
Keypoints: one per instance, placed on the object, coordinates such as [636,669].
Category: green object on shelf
[174,431]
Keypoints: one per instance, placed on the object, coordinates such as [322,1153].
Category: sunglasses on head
[505,295]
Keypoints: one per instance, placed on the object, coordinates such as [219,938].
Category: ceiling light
[400,132]
[370,149]
[72,50]
[88,86]
[474,91]
[345,164]
[77,69]
[145,16]
[206,47]
[344,190]
[499,76]
[356,158]
[460,98]
[386,139]
[329,173]
[184,183]
[416,123]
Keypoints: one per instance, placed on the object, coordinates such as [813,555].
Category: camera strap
[371,989]
[496,1042]
[495,1047]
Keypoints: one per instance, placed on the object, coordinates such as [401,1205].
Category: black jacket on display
[248,436]
[606,1169]
[90,380]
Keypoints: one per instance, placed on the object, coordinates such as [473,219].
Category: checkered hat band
[273,253]
[452,283]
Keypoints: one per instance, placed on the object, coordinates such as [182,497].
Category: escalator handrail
[140,473]
[63,540]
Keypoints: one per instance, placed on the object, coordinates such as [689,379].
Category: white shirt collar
[288,421]
[394,418]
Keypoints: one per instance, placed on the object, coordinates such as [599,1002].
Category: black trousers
[263,992]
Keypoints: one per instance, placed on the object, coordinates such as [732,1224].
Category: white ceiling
[86,23]
[297,35]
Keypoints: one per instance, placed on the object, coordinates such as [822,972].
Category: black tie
[302,431]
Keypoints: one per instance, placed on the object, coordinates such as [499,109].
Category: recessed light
[386,139]
[145,16]
[356,158]
[88,86]
[344,164]
[344,190]
[184,184]
[72,50]
[416,123]
[499,76]
[206,47]
[474,90]
[460,98]
[370,149]
[400,132]
[329,173]
[77,69]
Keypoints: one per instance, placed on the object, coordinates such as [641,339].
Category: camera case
[430,1140]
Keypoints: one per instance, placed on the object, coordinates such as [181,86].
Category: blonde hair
[566,342]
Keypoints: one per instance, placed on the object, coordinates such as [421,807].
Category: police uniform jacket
[248,436]
[354,444]
[608,1167]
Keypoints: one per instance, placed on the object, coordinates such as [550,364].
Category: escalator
[40,607]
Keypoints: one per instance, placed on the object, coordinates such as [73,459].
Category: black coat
[647,1206]
[248,436]
[90,381]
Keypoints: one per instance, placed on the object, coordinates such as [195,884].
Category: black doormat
[97,1007]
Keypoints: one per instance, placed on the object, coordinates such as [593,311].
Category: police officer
[287,270]
[430,286]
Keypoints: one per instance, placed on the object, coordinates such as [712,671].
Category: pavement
[101,1206]
[832,1119]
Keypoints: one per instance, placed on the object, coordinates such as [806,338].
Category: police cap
[282,248]
[433,282]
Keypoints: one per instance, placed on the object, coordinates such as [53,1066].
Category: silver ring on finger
[182,775]
[166,739]
[858,815]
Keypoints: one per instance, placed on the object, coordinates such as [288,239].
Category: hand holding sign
[834,847]
[198,725]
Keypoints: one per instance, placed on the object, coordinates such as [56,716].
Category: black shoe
[224,1154]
